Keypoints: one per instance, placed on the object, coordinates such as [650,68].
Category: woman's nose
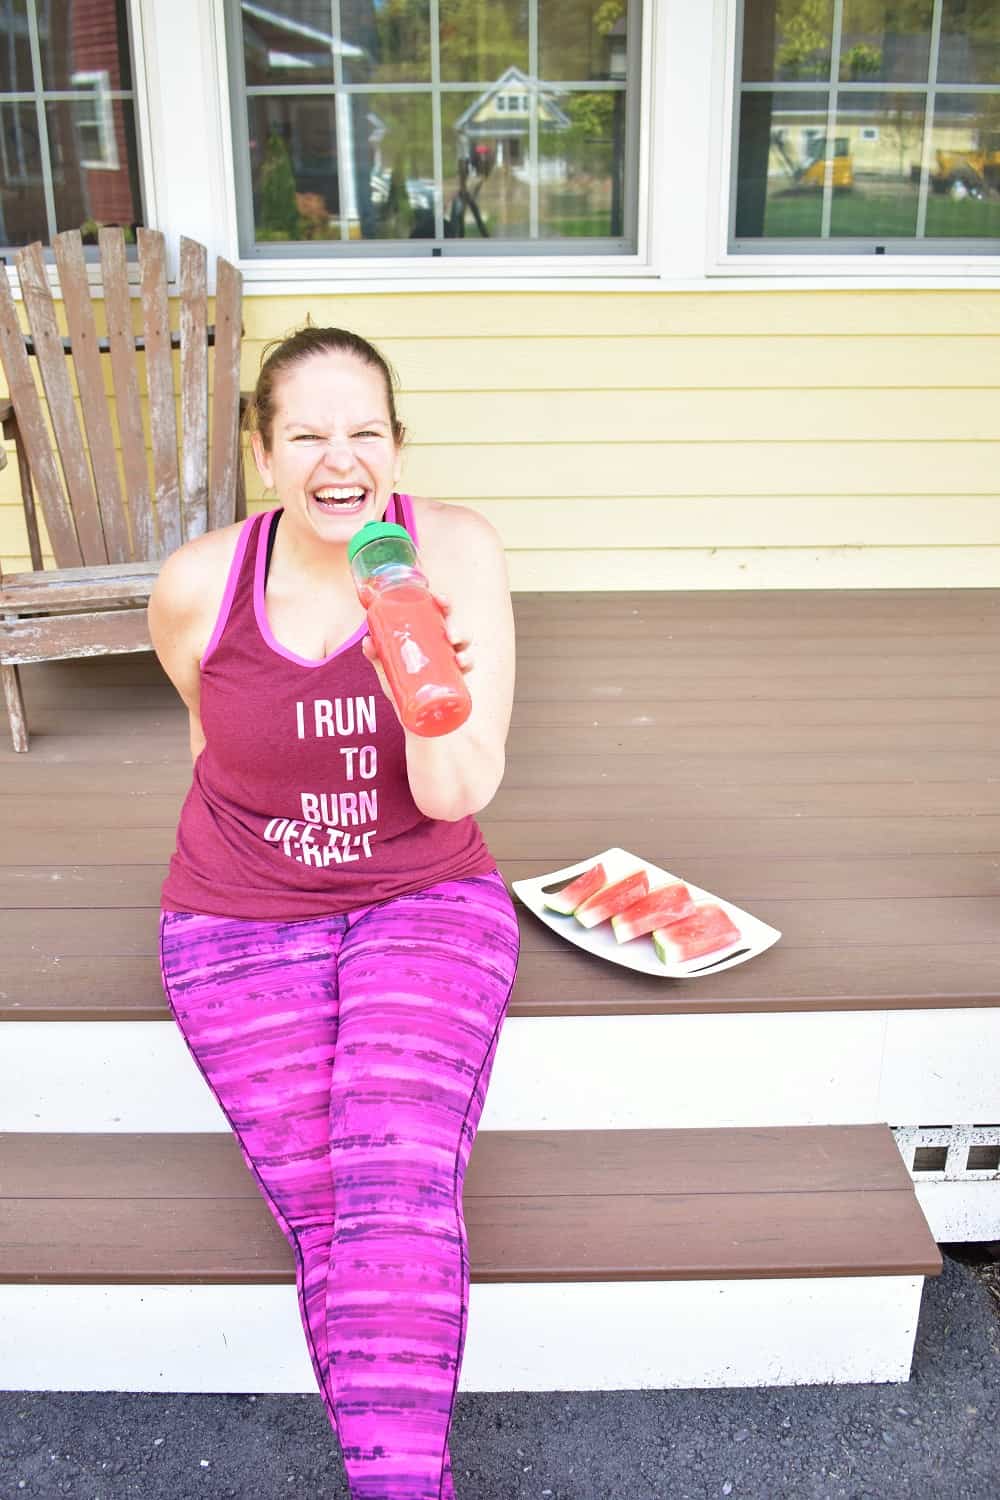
[338,453]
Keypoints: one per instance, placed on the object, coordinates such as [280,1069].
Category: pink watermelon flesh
[570,897]
[612,899]
[705,931]
[658,909]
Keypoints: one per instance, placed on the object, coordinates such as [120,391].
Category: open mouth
[339,500]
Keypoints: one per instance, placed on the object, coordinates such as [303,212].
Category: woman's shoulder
[193,578]
[450,527]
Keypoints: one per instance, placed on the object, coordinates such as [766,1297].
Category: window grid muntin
[40,97]
[929,90]
[251,247]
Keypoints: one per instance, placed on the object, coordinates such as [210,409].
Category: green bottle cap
[374,531]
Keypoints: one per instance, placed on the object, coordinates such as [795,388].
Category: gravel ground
[935,1438]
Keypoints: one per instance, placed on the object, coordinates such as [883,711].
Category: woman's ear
[260,458]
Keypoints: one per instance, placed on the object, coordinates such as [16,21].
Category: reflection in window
[68,154]
[361,126]
[870,136]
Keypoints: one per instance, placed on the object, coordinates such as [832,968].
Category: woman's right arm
[182,610]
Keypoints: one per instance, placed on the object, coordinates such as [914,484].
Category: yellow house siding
[717,439]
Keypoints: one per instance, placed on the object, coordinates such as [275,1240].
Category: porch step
[599,1260]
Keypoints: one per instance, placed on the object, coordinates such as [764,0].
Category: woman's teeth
[340,499]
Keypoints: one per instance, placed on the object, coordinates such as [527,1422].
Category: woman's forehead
[331,383]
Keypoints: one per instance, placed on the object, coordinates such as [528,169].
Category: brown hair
[281,354]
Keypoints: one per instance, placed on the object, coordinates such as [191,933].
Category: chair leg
[15,705]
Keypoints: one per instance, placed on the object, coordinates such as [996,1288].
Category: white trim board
[906,1067]
[534,1337]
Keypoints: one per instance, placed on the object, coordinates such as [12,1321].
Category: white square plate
[755,936]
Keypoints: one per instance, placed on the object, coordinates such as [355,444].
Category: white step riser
[567,1073]
[541,1337]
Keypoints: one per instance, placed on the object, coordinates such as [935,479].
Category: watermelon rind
[667,904]
[612,899]
[665,939]
[566,901]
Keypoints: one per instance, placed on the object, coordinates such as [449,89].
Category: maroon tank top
[299,804]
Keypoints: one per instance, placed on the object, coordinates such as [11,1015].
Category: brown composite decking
[623,1205]
[827,760]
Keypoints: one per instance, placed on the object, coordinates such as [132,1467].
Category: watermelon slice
[612,899]
[570,897]
[661,907]
[706,931]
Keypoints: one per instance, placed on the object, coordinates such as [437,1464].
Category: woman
[337,945]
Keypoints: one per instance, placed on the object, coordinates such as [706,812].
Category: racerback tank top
[299,804]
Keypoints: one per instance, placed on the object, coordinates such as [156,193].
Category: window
[68,151]
[868,126]
[434,127]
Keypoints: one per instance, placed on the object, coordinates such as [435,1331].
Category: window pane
[965,166]
[22,198]
[394,195]
[287,41]
[888,39]
[970,42]
[388,42]
[15,55]
[481,39]
[787,40]
[293,161]
[781,165]
[879,141]
[581,150]
[581,39]
[95,167]
[485,167]
[76,38]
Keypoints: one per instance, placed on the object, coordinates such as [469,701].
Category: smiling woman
[331,897]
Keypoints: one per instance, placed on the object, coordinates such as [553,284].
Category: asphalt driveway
[936,1437]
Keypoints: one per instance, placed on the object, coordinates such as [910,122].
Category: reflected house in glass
[493,131]
[275,46]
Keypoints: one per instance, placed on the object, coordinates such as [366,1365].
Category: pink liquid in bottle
[409,632]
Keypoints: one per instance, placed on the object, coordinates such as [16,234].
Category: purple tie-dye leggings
[351,1055]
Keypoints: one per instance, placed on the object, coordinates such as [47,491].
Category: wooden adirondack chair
[108,542]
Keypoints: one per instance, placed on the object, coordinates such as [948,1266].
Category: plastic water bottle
[408,630]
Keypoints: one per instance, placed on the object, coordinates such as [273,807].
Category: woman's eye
[366,433]
[306,437]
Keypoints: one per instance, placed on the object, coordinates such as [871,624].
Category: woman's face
[333,460]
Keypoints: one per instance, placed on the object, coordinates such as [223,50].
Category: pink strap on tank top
[235,568]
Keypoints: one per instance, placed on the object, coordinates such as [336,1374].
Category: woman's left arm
[456,774]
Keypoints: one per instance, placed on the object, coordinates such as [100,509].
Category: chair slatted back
[194,386]
[62,407]
[87,518]
[121,347]
[35,437]
[93,402]
[226,394]
[160,379]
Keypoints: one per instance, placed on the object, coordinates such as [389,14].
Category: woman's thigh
[257,1004]
[424,985]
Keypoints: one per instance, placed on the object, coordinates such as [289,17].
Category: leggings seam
[465,1300]
[275,1210]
